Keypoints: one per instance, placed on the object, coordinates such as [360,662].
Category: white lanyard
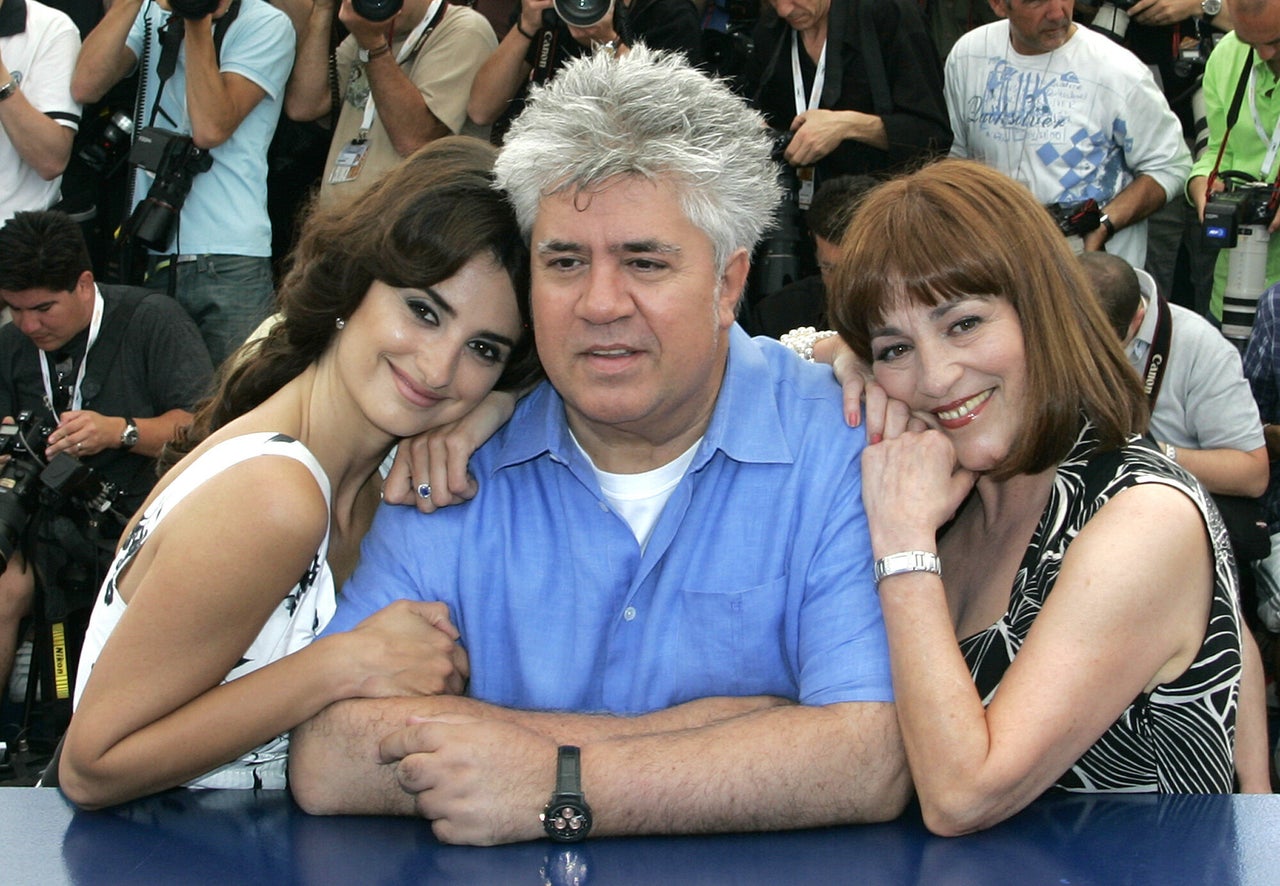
[95,325]
[797,81]
[411,45]
[1273,144]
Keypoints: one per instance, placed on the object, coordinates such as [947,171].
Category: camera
[582,13]
[376,10]
[1237,219]
[1112,19]
[193,9]
[176,161]
[108,148]
[1075,219]
[26,482]
[780,256]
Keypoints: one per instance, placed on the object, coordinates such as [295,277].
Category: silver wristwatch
[1210,8]
[907,561]
[129,436]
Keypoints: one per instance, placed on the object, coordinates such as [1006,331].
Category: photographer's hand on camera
[83,433]
[371,36]
[819,132]
[217,101]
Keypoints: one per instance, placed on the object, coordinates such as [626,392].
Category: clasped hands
[479,781]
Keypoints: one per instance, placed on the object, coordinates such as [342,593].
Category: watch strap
[907,561]
[569,770]
[9,88]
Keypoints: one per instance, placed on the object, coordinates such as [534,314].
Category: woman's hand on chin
[911,485]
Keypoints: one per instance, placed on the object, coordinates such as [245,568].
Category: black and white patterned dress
[1178,738]
[299,618]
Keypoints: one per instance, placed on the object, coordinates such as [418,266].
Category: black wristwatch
[129,436]
[567,818]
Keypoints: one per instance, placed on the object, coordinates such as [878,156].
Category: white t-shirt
[41,58]
[1081,121]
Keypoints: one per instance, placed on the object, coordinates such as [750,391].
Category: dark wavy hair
[417,226]
[957,228]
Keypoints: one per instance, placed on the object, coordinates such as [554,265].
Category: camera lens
[582,13]
[376,10]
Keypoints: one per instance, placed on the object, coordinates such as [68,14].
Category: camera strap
[1233,114]
[95,326]
[1158,355]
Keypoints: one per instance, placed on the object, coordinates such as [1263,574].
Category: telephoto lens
[376,10]
[582,13]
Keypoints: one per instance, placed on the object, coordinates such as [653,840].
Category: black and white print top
[299,618]
[1180,737]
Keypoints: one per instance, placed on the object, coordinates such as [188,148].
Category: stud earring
[340,323]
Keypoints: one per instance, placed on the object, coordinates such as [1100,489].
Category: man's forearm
[154,433]
[499,79]
[307,96]
[1143,196]
[104,57]
[1228,471]
[712,765]
[402,109]
[43,143]
[334,765]
[210,105]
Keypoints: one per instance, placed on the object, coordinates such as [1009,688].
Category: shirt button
[629,613]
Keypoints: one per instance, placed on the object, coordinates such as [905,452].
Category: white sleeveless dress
[299,618]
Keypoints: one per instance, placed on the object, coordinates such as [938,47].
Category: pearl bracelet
[803,338]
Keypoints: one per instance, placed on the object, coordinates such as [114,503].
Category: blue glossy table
[236,837]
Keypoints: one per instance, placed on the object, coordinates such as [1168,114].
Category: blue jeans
[227,295]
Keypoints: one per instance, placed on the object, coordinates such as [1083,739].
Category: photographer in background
[38,119]
[1249,55]
[548,34]
[224,91]
[113,370]
[403,76]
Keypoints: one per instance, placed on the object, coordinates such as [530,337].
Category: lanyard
[95,325]
[1273,144]
[412,44]
[797,81]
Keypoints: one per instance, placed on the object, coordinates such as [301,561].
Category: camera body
[27,483]
[108,148]
[1226,214]
[193,9]
[1237,219]
[176,161]
[1075,219]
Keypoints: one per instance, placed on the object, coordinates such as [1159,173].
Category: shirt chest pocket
[733,642]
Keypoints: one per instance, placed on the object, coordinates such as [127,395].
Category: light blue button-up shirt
[757,578]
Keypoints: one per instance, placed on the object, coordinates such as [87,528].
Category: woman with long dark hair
[400,314]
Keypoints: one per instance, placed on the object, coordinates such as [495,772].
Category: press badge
[347,165]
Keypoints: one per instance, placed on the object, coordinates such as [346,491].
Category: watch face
[566,822]
[1211,7]
[130,435]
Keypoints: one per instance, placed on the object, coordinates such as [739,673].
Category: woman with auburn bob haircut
[400,314]
[1013,505]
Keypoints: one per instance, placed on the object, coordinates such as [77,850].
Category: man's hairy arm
[482,774]
[334,766]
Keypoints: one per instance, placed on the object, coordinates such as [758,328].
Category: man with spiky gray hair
[663,585]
